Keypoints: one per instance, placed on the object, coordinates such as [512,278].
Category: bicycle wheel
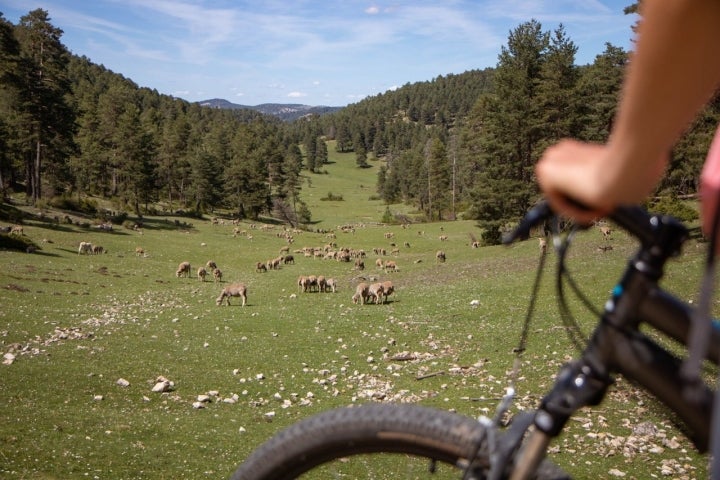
[375,441]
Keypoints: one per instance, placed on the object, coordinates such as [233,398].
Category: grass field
[77,324]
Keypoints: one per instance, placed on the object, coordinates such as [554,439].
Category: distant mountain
[285,111]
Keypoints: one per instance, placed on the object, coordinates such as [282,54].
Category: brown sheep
[139,251]
[302,283]
[183,270]
[391,266]
[379,263]
[388,289]
[217,274]
[376,290]
[321,283]
[201,274]
[361,293]
[211,265]
[331,285]
[260,267]
[233,290]
[359,264]
[288,259]
[440,256]
[312,283]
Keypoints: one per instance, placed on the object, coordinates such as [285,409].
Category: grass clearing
[79,323]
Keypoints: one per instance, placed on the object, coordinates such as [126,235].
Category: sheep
[217,274]
[211,265]
[302,283]
[542,243]
[260,267]
[16,230]
[440,256]
[285,249]
[139,252]
[376,290]
[605,231]
[331,284]
[97,250]
[321,283]
[85,248]
[233,290]
[379,263]
[359,264]
[312,283]
[201,274]
[388,289]
[391,266]
[288,259]
[183,270]
[361,293]
[443,238]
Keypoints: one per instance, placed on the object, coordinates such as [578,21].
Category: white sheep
[233,290]
[440,256]
[331,284]
[85,248]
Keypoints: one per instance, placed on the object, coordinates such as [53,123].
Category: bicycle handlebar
[651,230]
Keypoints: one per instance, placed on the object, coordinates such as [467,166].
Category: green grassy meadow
[77,324]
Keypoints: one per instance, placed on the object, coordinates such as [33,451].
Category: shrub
[332,197]
[675,207]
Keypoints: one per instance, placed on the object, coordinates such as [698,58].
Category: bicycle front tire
[323,445]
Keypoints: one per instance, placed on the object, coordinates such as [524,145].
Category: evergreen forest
[459,145]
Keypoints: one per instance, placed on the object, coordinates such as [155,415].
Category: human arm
[673,72]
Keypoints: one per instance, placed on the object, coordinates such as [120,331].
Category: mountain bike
[410,441]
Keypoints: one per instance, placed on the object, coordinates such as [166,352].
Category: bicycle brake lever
[538,214]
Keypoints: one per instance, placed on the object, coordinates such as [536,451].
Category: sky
[312,52]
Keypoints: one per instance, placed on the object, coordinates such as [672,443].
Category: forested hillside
[72,131]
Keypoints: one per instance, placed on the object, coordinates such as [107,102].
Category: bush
[74,204]
[332,197]
[674,207]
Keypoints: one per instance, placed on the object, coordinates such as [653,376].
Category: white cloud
[296,94]
[373,10]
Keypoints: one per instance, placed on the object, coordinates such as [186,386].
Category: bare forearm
[673,73]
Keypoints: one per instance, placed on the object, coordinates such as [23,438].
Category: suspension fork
[578,385]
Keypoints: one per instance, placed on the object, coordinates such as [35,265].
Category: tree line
[71,129]
[462,144]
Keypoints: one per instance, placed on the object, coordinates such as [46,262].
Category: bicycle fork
[578,385]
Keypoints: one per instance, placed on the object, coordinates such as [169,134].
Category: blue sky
[314,52]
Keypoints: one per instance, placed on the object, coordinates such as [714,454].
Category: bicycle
[478,449]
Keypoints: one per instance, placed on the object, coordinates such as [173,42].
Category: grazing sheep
[543,245]
[443,238]
[302,283]
[97,250]
[85,248]
[16,230]
[285,249]
[379,263]
[388,289]
[361,293]
[359,264]
[201,274]
[233,290]
[217,274]
[605,231]
[288,259]
[475,244]
[183,270]
[312,283]
[260,267]
[139,251]
[391,266]
[331,284]
[211,265]
[376,290]
[321,283]
[440,256]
